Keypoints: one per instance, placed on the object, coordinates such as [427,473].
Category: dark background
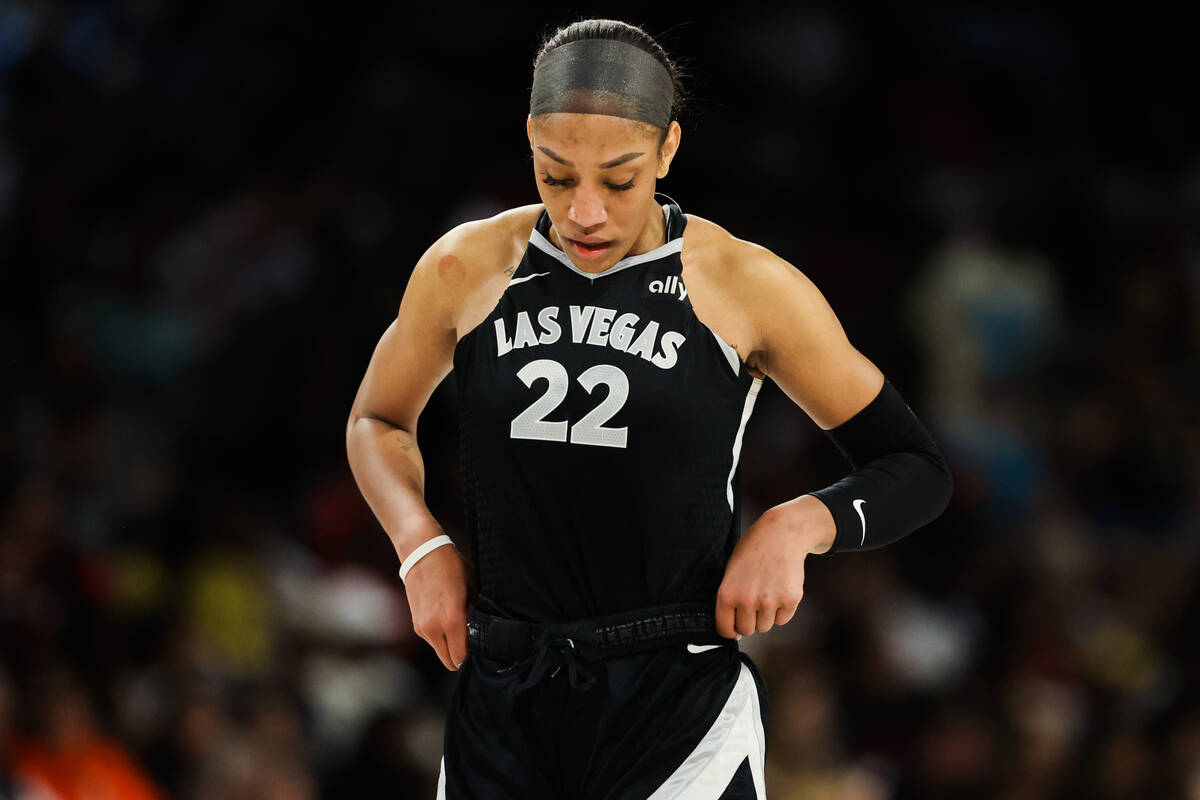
[208,213]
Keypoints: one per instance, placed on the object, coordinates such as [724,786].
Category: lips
[590,249]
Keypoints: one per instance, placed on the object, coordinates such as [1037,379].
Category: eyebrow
[616,162]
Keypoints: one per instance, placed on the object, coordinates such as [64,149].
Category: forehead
[596,134]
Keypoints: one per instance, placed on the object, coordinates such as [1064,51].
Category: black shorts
[681,721]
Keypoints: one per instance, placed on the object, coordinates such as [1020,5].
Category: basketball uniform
[600,426]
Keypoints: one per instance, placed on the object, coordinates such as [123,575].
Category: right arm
[412,357]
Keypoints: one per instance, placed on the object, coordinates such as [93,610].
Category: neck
[654,233]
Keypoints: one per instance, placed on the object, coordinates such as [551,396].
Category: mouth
[590,250]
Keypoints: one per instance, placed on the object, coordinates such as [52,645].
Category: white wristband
[421,550]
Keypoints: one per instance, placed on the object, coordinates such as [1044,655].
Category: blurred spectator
[986,312]
[15,782]
[71,756]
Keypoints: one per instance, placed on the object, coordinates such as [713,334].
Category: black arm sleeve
[900,480]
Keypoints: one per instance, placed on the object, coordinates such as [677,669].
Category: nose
[587,209]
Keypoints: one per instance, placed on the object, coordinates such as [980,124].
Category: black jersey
[600,425]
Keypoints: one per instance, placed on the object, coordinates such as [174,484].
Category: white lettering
[622,331]
[503,345]
[643,345]
[595,325]
[524,335]
[548,319]
[669,342]
[599,331]
[580,318]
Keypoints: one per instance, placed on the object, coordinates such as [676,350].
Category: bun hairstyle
[604,78]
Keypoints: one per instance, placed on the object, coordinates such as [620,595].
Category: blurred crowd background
[208,213]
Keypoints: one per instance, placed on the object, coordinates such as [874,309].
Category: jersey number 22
[531,423]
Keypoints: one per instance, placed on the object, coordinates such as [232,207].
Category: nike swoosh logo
[515,281]
[858,504]
[700,648]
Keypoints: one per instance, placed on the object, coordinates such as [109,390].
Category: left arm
[900,480]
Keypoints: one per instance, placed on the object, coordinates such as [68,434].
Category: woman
[608,350]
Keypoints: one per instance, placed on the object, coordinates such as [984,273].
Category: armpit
[756,363]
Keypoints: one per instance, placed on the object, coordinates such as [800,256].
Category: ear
[529,130]
[670,146]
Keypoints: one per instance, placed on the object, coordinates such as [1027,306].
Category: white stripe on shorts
[441,792]
[736,734]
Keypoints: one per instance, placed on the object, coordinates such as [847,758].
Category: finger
[438,642]
[725,620]
[765,620]
[456,643]
[784,615]
[745,621]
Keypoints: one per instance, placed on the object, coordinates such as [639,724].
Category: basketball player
[607,350]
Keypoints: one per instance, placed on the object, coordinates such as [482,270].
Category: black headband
[603,76]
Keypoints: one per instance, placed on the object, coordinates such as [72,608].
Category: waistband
[541,646]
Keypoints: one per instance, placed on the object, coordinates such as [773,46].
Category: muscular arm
[412,357]
[900,480]
[799,343]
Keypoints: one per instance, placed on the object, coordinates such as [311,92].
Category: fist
[764,579]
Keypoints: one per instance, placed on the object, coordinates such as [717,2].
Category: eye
[550,180]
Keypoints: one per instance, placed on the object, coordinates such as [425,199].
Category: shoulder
[758,284]
[470,258]
[730,259]
[482,244]
[772,304]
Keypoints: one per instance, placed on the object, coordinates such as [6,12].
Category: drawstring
[555,652]
[531,651]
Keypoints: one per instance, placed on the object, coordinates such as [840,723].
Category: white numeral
[590,429]
[531,423]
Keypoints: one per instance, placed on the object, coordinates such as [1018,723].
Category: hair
[622,32]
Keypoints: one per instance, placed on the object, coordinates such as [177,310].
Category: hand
[440,589]
[764,579]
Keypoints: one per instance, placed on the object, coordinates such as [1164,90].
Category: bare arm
[412,357]
[805,351]
[800,344]
[899,475]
